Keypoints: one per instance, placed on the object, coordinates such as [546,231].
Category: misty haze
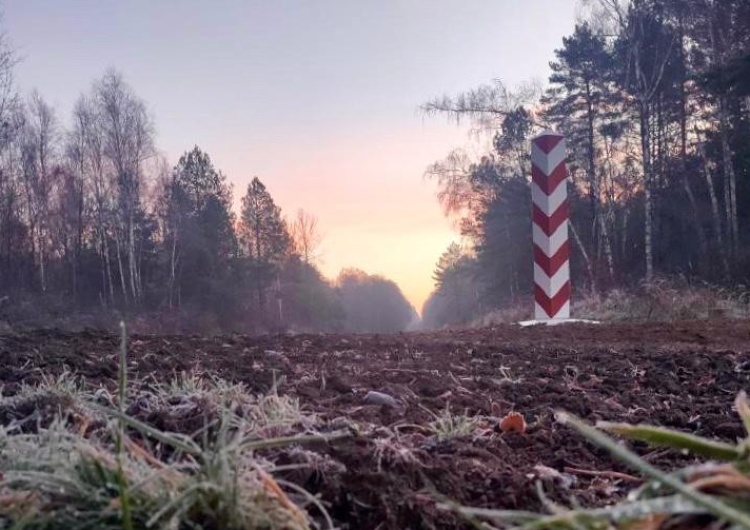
[374,265]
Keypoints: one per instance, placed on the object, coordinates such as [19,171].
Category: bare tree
[306,237]
[39,150]
[647,62]
[127,141]
[10,189]
[9,98]
[86,152]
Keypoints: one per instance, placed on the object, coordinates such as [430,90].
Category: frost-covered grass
[658,301]
[74,458]
[663,300]
[446,424]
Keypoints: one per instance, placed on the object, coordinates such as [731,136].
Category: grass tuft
[447,425]
[116,471]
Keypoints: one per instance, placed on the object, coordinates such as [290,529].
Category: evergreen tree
[373,304]
[265,239]
[200,236]
[580,100]
[456,296]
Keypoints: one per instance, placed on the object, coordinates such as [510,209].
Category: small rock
[378,398]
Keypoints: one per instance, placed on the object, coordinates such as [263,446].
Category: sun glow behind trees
[92,219]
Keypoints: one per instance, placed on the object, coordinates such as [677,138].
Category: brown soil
[680,375]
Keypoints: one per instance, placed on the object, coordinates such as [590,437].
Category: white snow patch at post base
[556,322]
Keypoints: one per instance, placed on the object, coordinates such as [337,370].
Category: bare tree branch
[486,105]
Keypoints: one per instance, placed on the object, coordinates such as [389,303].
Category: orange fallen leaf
[513,422]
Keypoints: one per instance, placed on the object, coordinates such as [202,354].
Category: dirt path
[682,375]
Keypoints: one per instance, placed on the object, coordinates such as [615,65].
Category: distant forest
[96,226]
[653,97]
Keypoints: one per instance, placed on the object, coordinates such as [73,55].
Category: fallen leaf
[513,422]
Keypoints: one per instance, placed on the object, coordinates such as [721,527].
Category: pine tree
[456,297]
[265,238]
[200,241]
[580,101]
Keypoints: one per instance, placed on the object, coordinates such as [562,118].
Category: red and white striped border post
[549,195]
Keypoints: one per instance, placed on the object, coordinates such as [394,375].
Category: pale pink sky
[318,99]
[374,208]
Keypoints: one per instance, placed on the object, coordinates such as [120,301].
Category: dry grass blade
[722,479]
[274,489]
[615,475]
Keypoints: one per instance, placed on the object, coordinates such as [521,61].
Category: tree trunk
[594,182]
[647,183]
[513,275]
[702,242]
[173,269]
[79,239]
[586,259]
[42,276]
[730,179]
[74,272]
[716,216]
[258,271]
[131,258]
[103,292]
[109,284]
[122,272]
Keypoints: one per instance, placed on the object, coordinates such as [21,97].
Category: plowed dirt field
[682,375]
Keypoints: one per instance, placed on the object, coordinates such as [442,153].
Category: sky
[319,99]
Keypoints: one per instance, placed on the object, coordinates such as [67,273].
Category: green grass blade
[122,381]
[711,504]
[660,436]
[122,373]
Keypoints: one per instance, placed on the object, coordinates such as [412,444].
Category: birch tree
[127,137]
[39,157]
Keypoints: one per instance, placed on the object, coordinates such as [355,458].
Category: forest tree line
[653,97]
[95,223]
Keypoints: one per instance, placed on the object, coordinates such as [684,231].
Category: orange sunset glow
[375,209]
